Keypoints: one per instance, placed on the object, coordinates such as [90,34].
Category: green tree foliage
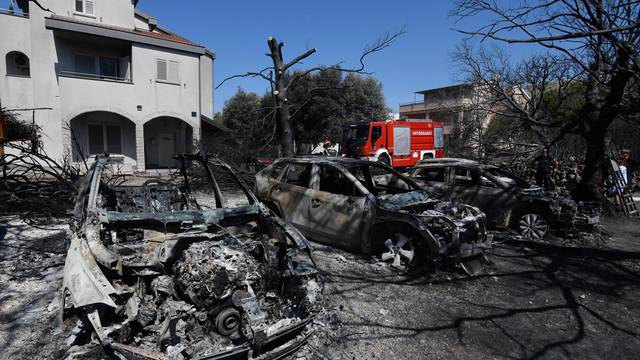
[321,103]
[325,101]
[251,125]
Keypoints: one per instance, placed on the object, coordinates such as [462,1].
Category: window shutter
[162,69]
[174,72]
[79,6]
[88,6]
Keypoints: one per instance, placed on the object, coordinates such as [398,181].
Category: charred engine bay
[216,293]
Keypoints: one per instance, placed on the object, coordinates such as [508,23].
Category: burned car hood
[424,203]
[406,200]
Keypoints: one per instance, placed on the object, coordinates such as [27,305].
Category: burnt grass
[560,299]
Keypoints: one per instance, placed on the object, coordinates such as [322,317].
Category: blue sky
[237,31]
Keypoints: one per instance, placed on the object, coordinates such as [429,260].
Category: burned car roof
[342,160]
[156,274]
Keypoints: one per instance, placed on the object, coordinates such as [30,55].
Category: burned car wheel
[533,226]
[399,251]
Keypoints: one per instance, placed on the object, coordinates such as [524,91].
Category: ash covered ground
[574,298]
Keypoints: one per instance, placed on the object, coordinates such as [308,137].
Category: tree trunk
[282,105]
[594,165]
[596,129]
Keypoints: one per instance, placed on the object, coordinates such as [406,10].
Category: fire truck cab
[397,143]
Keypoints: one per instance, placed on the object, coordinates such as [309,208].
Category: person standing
[631,163]
[620,182]
[544,170]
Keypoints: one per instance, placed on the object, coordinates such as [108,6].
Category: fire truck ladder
[628,204]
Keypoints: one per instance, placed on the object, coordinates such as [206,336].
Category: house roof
[162,39]
[168,37]
[464,85]
[214,123]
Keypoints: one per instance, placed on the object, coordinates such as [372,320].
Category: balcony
[91,76]
[413,108]
[86,57]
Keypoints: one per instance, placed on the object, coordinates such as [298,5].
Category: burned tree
[595,42]
[281,78]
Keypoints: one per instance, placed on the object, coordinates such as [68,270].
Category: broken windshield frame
[207,163]
[389,182]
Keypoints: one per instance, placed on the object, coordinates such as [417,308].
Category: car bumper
[277,346]
[473,249]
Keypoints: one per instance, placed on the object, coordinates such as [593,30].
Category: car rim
[399,252]
[533,226]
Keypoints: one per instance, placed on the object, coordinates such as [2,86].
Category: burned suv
[370,208]
[155,273]
[508,201]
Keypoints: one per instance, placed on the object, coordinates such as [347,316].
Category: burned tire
[385,159]
[399,251]
[532,226]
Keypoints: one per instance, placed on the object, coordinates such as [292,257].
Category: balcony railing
[412,103]
[18,13]
[94,76]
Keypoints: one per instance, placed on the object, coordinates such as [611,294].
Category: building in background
[448,105]
[111,78]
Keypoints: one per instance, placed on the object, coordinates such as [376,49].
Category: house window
[168,70]
[84,64]
[109,67]
[104,138]
[17,64]
[96,65]
[85,7]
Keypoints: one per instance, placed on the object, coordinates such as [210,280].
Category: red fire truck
[397,143]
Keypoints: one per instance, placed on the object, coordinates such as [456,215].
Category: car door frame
[348,226]
[282,189]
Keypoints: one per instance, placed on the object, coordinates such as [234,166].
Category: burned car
[155,273]
[508,201]
[369,208]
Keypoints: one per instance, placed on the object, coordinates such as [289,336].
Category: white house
[109,77]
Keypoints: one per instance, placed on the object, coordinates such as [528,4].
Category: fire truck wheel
[384,158]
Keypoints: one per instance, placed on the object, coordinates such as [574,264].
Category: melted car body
[508,201]
[369,208]
[156,275]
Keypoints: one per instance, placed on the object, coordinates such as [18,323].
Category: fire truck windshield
[360,132]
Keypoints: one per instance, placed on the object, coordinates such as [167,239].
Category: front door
[166,149]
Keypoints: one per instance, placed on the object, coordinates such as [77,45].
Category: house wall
[206,86]
[15,91]
[178,100]
[109,12]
